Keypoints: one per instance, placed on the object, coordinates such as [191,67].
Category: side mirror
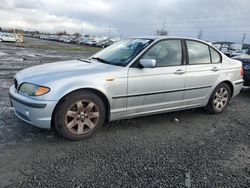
[147,63]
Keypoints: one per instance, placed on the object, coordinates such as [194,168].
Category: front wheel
[219,99]
[79,115]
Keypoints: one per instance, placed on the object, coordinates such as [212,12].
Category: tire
[1,40]
[219,99]
[79,115]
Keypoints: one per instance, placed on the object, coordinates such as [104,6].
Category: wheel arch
[97,92]
[230,84]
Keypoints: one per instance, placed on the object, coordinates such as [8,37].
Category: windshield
[121,53]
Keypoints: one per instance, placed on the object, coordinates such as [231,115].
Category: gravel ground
[198,150]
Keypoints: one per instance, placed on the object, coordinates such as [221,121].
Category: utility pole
[244,36]
[242,42]
[109,30]
[164,24]
[200,34]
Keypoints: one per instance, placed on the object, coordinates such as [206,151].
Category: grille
[16,84]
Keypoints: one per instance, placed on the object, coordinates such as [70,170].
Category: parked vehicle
[107,42]
[218,46]
[134,77]
[83,41]
[92,41]
[235,46]
[44,37]
[7,37]
[245,59]
[238,52]
[225,50]
[74,40]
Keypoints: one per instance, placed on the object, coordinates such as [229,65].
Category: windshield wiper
[84,60]
[100,59]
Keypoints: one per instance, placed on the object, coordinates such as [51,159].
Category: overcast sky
[218,19]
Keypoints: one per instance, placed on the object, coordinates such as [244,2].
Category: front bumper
[35,112]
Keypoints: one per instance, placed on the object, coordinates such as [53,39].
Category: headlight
[33,90]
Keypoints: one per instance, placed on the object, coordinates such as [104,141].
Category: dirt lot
[198,150]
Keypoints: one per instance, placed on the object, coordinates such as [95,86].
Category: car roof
[167,37]
[158,38]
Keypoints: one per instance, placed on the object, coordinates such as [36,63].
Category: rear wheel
[219,99]
[80,115]
[1,40]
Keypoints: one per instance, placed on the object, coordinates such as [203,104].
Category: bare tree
[77,34]
[161,32]
[62,33]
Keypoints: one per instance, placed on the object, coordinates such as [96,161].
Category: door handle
[215,69]
[179,71]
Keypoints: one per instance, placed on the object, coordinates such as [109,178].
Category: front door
[159,88]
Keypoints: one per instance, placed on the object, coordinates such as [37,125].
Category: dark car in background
[245,59]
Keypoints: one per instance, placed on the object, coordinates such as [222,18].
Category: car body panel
[245,59]
[130,91]
[199,81]
[29,111]
[145,93]
[88,75]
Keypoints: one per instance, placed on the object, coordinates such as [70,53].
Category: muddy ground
[198,150]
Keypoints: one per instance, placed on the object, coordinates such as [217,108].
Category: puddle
[2,54]
[12,59]
[31,55]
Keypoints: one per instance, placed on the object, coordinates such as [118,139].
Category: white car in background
[238,52]
[7,37]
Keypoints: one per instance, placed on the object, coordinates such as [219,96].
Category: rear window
[215,56]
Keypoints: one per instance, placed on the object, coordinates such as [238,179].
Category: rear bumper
[35,112]
[238,86]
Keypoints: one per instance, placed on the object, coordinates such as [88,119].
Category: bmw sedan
[131,78]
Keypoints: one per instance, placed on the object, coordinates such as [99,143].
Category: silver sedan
[134,77]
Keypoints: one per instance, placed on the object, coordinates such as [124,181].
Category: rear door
[203,69]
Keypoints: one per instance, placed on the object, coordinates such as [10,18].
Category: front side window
[166,53]
[198,53]
[121,53]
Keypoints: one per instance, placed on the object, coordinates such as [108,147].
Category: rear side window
[198,53]
[215,56]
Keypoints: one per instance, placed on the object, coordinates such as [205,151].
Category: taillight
[241,71]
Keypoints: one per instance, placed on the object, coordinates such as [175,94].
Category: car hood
[62,70]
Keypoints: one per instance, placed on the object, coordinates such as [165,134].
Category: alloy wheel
[221,98]
[82,117]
